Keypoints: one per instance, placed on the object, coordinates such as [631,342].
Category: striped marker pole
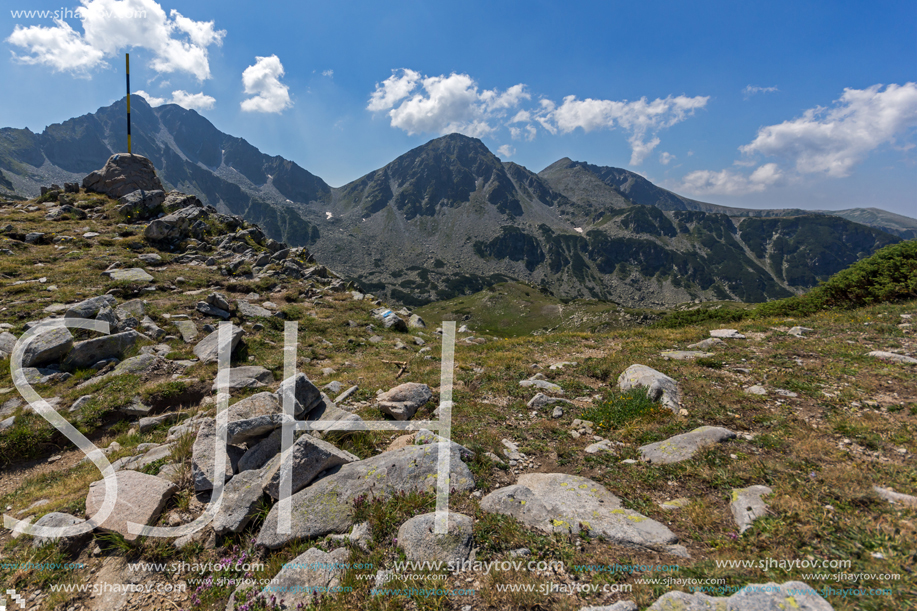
[127,69]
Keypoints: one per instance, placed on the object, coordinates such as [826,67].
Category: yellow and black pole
[127,66]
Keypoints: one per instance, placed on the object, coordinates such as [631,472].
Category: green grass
[619,410]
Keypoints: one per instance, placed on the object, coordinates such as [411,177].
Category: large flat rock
[249,376]
[684,446]
[133,274]
[89,352]
[89,308]
[326,506]
[207,349]
[140,499]
[747,505]
[557,502]
[47,347]
[305,394]
[310,575]
[659,387]
[794,595]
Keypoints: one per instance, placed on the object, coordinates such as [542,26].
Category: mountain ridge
[449,217]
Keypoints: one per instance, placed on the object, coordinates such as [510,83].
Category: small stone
[747,505]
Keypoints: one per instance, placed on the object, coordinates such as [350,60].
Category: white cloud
[523,133]
[191,101]
[833,140]
[506,151]
[640,117]
[179,44]
[262,80]
[442,104]
[328,73]
[665,158]
[753,89]
[728,182]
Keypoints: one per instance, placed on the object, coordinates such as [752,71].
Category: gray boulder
[421,544]
[389,319]
[130,309]
[60,520]
[403,401]
[187,329]
[203,456]
[140,499]
[891,357]
[49,346]
[89,308]
[659,387]
[207,349]
[310,575]
[326,506]
[747,505]
[86,353]
[134,274]
[140,204]
[250,310]
[684,446]
[240,499]
[123,174]
[794,595]
[726,334]
[306,395]
[261,452]
[7,342]
[249,376]
[307,458]
[557,502]
[208,309]
[542,385]
[707,344]
[685,355]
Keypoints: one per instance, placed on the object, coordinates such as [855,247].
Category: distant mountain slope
[188,151]
[449,218]
[596,188]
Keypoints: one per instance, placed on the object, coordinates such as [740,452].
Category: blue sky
[777,104]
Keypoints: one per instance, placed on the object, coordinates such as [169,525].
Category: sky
[764,105]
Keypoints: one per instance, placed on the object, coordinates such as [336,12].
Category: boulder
[557,502]
[326,506]
[896,498]
[308,457]
[86,353]
[685,355]
[891,357]
[176,201]
[203,456]
[726,334]
[541,400]
[134,274]
[47,347]
[403,401]
[140,204]
[684,446]
[240,499]
[89,308]
[389,319]
[187,329]
[659,387]
[310,575]
[123,174]
[305,394]
[747,505]
[542,385]
[7,342]
[210,310]
[259,453]
[250,310]
[421,544]
[130,309]
[140,499]
[415,322]
[207,349]
[794,595]
[707,344]
[56,519]
[249,376]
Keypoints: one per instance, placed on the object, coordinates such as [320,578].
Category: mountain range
[450,218]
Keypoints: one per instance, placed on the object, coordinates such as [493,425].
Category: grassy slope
[820,452]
